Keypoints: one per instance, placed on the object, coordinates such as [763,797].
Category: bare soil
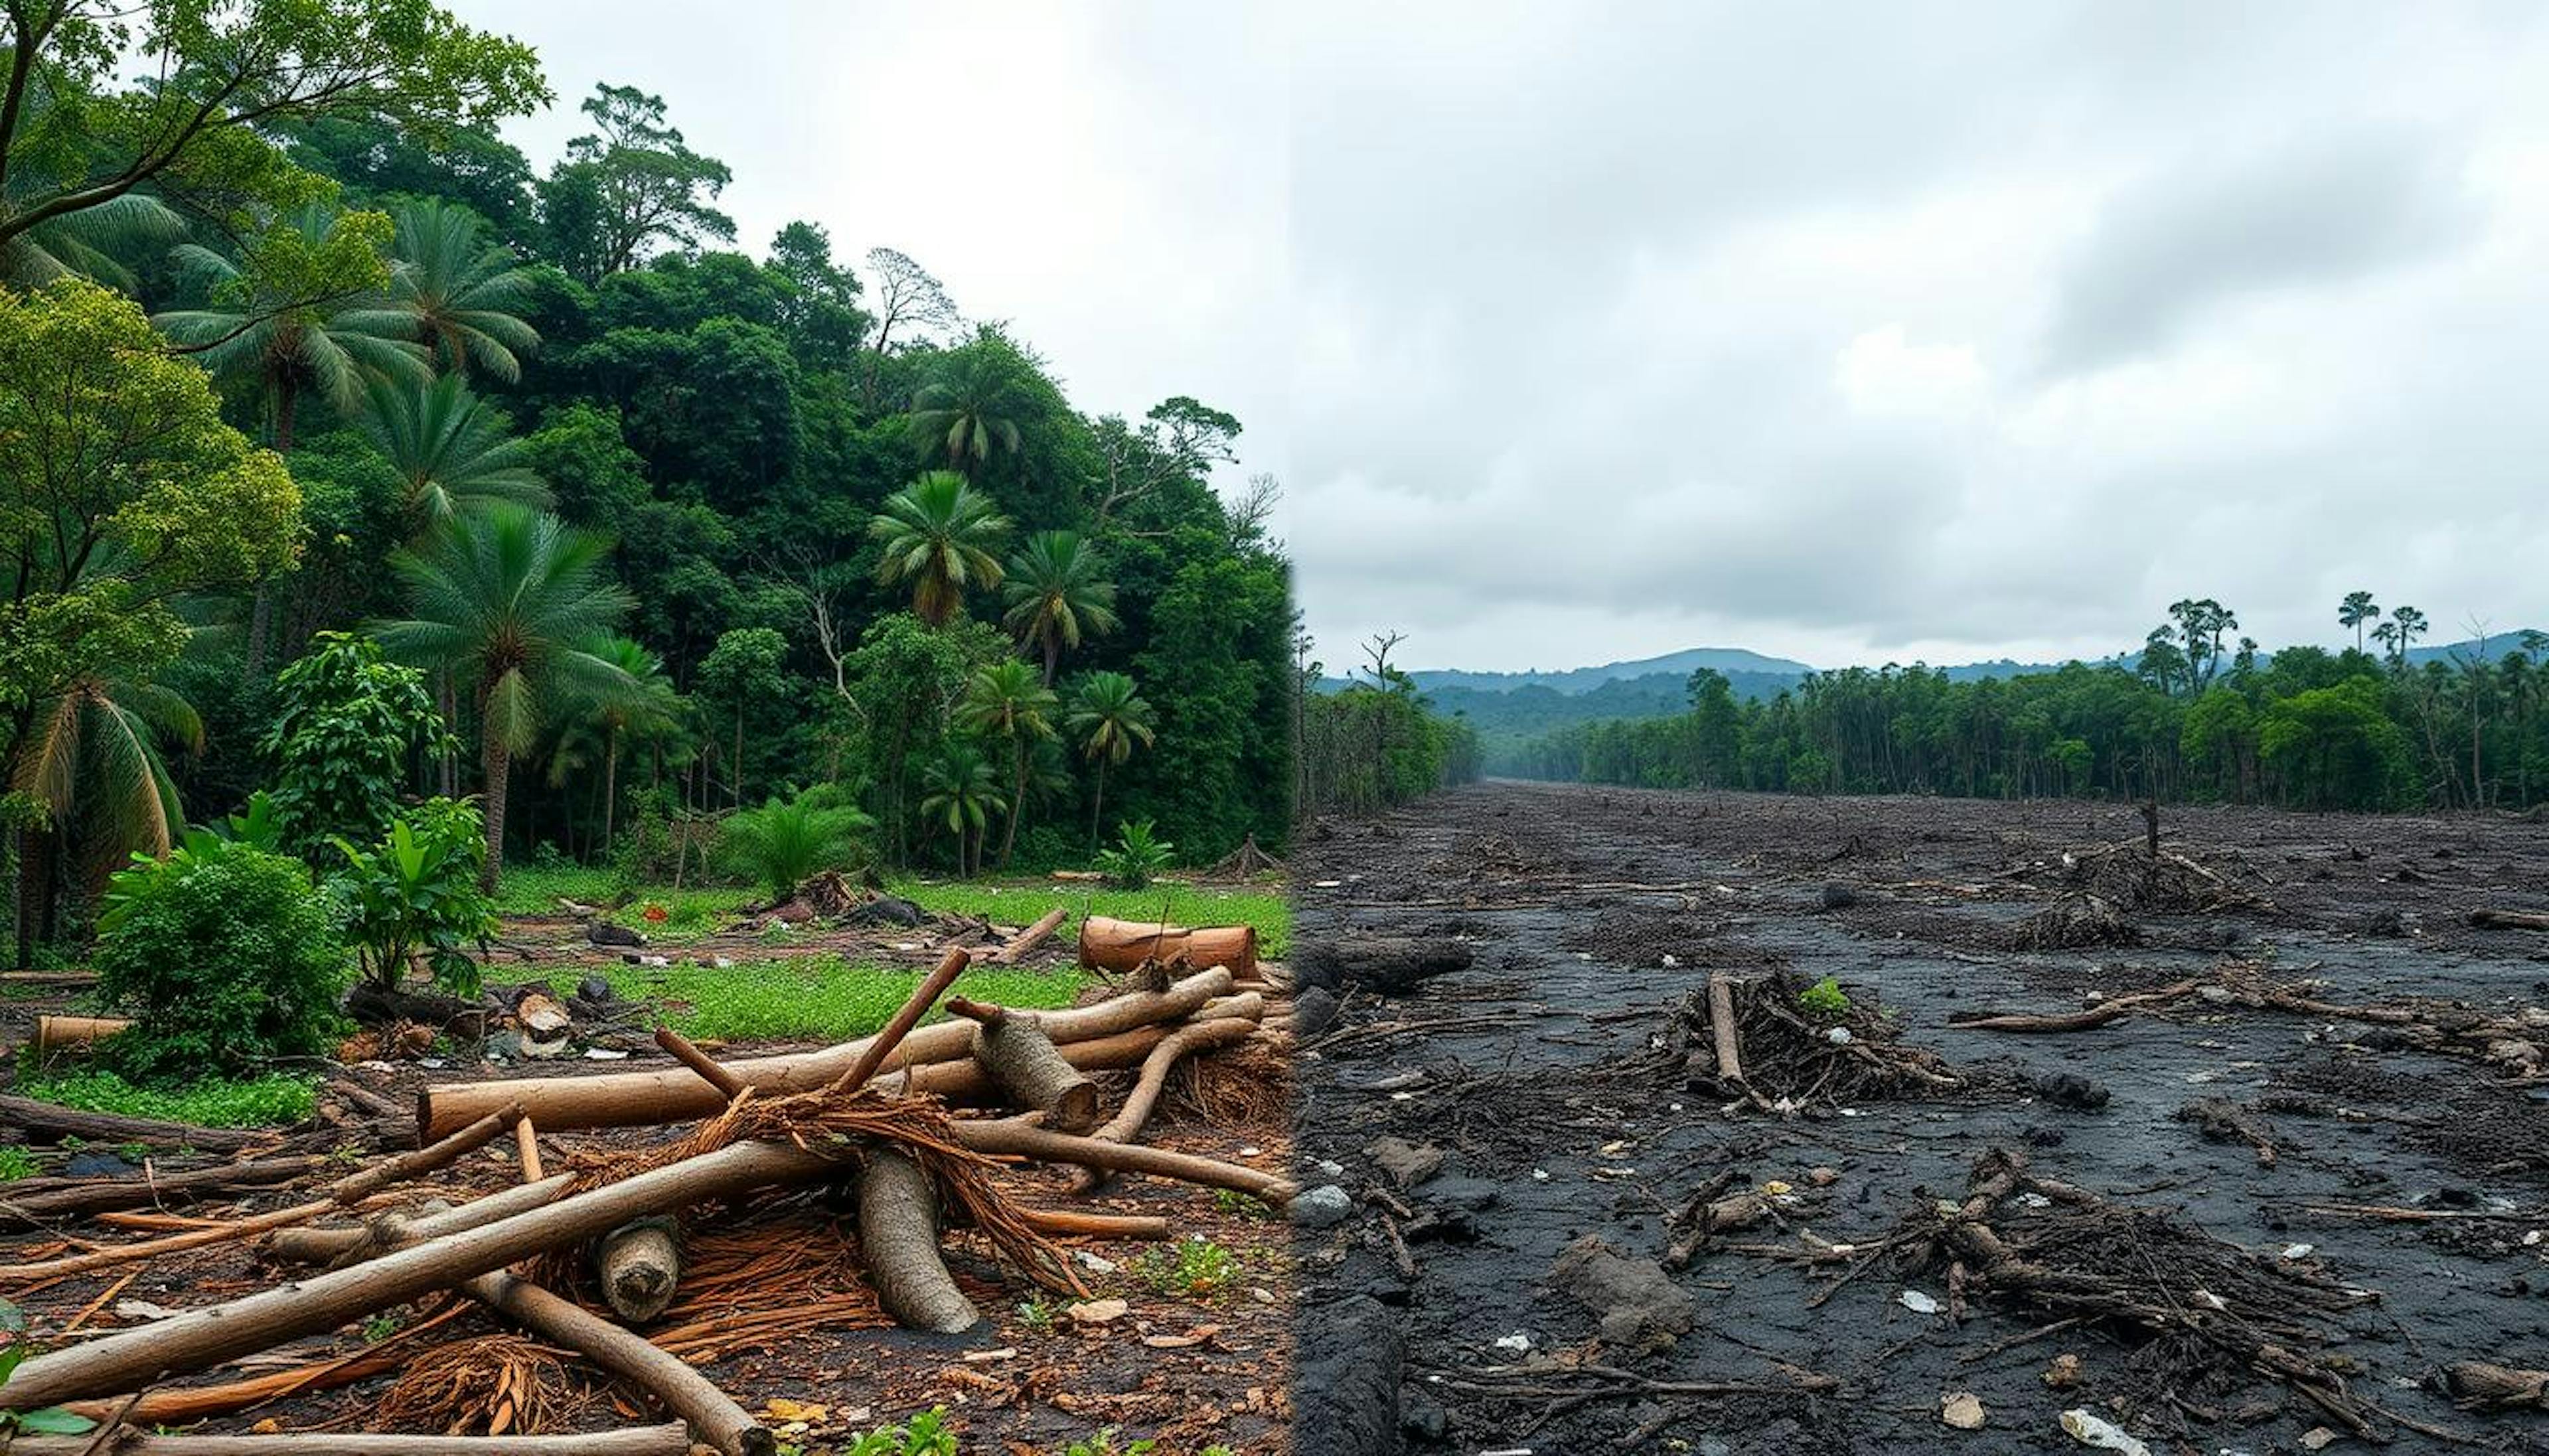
[1547,1075]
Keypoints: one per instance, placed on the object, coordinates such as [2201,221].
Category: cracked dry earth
[2240,1228]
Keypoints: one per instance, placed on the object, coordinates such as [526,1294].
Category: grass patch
[692,911]
[15,1163]
[274,1099]
[812,996]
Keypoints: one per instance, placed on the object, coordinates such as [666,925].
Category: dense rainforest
[307,367]
[2197,716]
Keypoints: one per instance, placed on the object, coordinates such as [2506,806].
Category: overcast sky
[1843,332]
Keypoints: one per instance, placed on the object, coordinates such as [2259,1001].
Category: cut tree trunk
[641,1266]
[1022,1059]
[1123,945]
[59,1033]
[899,1237]
[676,1094]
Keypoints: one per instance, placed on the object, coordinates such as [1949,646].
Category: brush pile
[1781,1045]
[814,1190]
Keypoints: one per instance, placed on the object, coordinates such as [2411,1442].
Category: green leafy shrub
[786,841]
[416,894]
[224,957]
[1138,854]
[925,1435]
[15,1163]
[345,721]
[1103,1444]
[1825,998]
[1192,1268]
[273,1100]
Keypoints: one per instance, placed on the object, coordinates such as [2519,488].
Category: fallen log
[1720,1028]
[677,1094]
[54,1122]
[712,1415]
[1139,1103]
[1027,940]
[1123,945]
[335,1246]
[59,1033]
[2509,920]
[344,1193]
[899,1237]
[1022,1059]
[2113,1009]
[80,1197]
[671,1438]
[132,1359]
[1146,1227]
[1391,964]
[2485,1386]
[1007,1138]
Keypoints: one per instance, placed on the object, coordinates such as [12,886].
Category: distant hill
[1677,665]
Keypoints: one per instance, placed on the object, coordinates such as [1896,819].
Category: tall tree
[120,491]
[217,81]
[1005,702]
[957,790]
[2410,625]
[2357,610]
[742,670]
[1057,596]
[972,409]
[461,294]
[940,534]
[448,448]
[820,310]
[1109,716]
[647,708]
[908,298]
[294,313]
[509,601]
[628,185]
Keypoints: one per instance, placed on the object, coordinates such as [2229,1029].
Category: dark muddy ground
[1535,1072]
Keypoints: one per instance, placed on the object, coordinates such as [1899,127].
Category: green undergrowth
[692,911]
[273,1100]
[809,996]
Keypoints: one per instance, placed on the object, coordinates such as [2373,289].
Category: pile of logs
[873,1119]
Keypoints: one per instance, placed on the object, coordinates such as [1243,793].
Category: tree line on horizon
[2202,714]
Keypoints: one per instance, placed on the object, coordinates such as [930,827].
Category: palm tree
[959,791]
[970,410]
[1108,718]
[90,242]
[1055,595]
[2411,625]
[2386,634]
[1005,700]
[787,842]
[288,347]
[2354,611]
[939,532]
[92,767]
[455,291]
[507,601]
[448,447]
[646,709]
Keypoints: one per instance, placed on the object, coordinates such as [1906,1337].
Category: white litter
[2098,1433]
[1514,1343]
[603,1053]
[1917,1302]
[1838,1036]
[2299,1251]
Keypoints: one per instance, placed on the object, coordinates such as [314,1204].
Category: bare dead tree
[907,297]
[1254,511]
[1378,649]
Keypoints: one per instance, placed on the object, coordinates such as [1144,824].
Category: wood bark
[1023,1060]
[1146,1227]
[54,1122]
[642,1267]
[1720,1028]
[199,1338]
[671,1438]
[677,1094]
[923,997]
[2509,920]
[899,1239]
[712,1416]
[1123,945]
[2113,1009]
[335,1247]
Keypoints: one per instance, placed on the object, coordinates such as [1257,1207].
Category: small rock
[1513,1345]
[1823,1177]
[1961,1410]
[1917,1302]
[604,933]
[1407,1164]
[2317,1438]
[2063,1373]
[2070,1089]
[1838,896]
[1099,1312]
[1314,1010]
[1323,1207]
[1640,1306]
[1423,1420]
